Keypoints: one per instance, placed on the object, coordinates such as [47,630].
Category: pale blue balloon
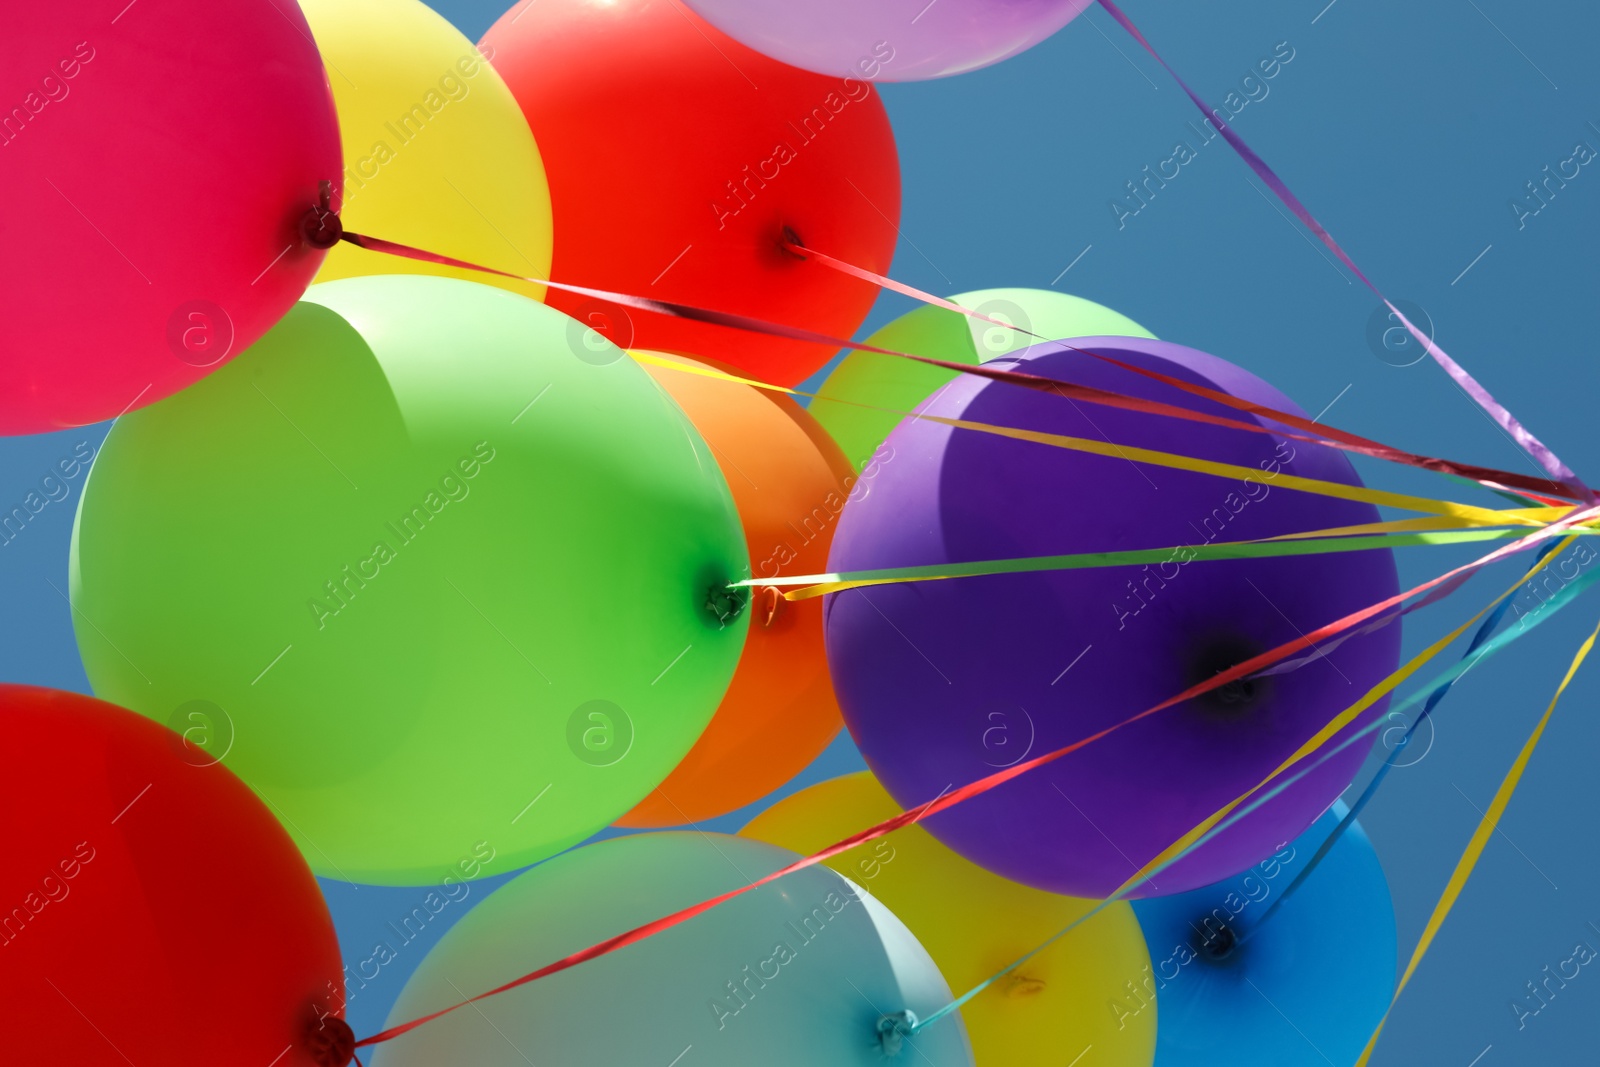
[794,974]
[1308,986]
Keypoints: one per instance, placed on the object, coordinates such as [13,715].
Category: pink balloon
[157,158]
[889,40]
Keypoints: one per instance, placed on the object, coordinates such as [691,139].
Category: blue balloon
[1311,983]
[795,974]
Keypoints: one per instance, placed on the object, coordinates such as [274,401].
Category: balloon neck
[725,603]
[790,243]
[330,1042]
[1217,943]
[1238,696]
[320,226]
[1020,986]
[893,1030]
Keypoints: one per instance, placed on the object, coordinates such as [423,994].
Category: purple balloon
[889,40]
[945,682]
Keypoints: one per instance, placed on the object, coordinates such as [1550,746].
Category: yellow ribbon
[1462,514]
[1540,516]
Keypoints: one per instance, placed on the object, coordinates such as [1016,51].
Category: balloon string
[815,585]
[1480,838]
[983,785]
[1490,624]
[1443,680]
[1315,433]
[1393,534]
[1546,459]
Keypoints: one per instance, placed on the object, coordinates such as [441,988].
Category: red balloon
[677,158]
[152,910]
[156,162]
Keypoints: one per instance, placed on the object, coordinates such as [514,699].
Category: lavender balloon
[889,40]
[945,682]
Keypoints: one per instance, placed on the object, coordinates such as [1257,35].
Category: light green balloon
[794,974]
[443,569]
[900,384]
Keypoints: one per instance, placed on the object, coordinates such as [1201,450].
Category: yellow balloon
[437,153]
[1085,996]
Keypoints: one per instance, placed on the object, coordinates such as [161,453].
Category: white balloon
[797,973]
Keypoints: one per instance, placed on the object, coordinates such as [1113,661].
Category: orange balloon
[790,483]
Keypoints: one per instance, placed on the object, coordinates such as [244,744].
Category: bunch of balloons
[486,547]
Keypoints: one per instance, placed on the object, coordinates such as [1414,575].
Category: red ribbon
[1324,435]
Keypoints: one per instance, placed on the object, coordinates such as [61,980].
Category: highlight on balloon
[557,574]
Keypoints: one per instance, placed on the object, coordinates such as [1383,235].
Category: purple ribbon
[1532,445]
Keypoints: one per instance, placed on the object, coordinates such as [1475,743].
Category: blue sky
[1411,131]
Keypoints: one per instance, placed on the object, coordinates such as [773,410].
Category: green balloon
[446,570]
[899,384]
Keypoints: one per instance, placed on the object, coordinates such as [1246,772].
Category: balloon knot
[1241,695]
[726,602]
[1018,985]
[330,1042]
[1218,945]
[790,242]
[320,227]
[894,1029]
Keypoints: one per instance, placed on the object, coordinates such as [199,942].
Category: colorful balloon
[793,974]
[941,682]
[135,872]
[790,484]
[973,923]
[679,160]
[890,40]
[1315,978]
[437,153]
[460,589]
[122,289]
[850,402]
